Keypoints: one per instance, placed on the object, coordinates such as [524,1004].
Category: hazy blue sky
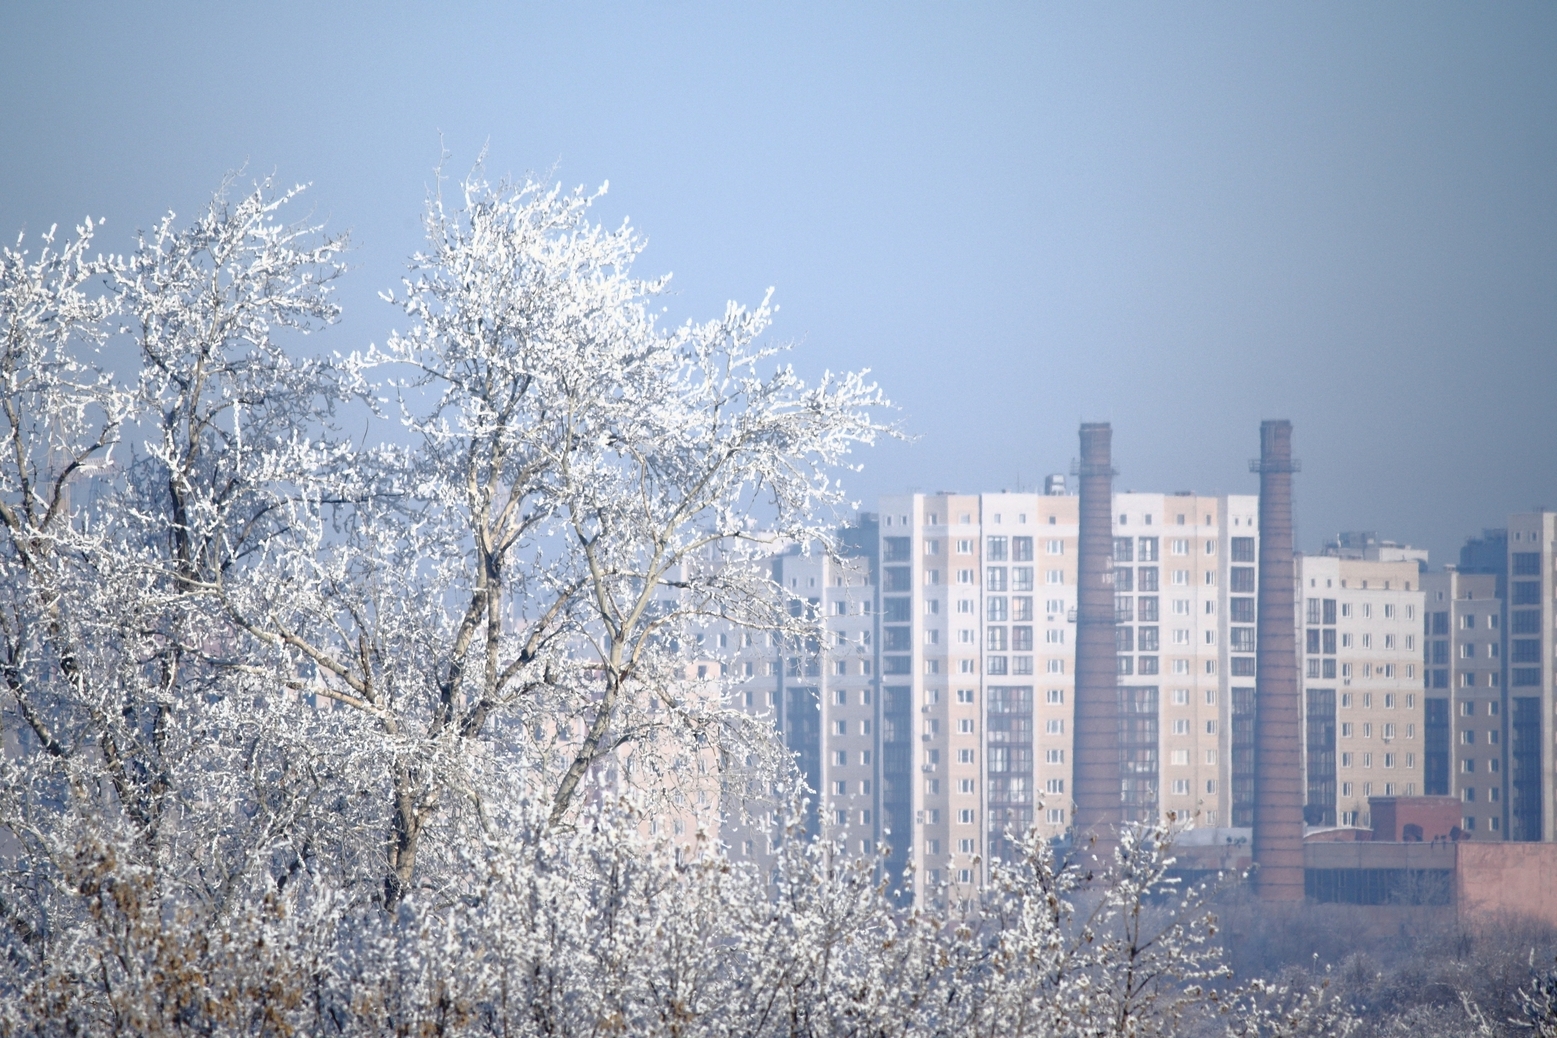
[1181,218]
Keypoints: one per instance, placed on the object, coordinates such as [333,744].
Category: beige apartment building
[978,594]
[1359,623]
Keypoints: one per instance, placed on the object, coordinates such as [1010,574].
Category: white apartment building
[1359,622]
[977,601]
[820,694]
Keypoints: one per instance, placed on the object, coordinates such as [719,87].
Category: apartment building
[819,693]
[1359,621]
[1532,620]
[1490,676]
[1464,724]
[978,595]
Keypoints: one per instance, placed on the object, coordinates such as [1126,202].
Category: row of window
[1317,641]
[1348,789]
[1386,730]
[1323,610]
[1348,760]
[1326,669]
[1241,666]
[1181,787]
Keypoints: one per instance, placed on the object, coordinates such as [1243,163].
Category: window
[965,785]
[1021,578]
[1181,697]
[965,726]
[1022,548]
[1054,756]
[1181,787]
[995,549]
[1148,549]
[1054,606]
[841,758]
[1240,580]
[1055,696]
[1181,726]
[1181,578]
[1054,577]
[1054,726]
[965,847]
[964,756]
[1210,547]
[1056,816]
[1243,549]
[1181,608]
[1054,636]
[1124,547]
[1054,786]
[965,816]
[932,547]
[1054,547]
[1180,758]
[1210,727]
[964,546]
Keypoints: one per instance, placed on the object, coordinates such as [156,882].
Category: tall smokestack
[1097,777]
[1278,775]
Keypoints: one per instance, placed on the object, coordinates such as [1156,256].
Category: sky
[1180,218]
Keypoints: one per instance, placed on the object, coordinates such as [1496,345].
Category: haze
[1181,219]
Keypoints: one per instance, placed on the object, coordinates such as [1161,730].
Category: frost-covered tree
[305,734]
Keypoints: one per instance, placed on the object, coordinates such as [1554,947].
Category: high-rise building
[977,651]
[1532,619]
[819,693]
[1359,622]
[1465,706]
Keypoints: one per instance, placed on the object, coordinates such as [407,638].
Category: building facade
[978,596]
[1465,716]
[1359,624]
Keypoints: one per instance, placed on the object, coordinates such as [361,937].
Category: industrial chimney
[1278,775]
[1099,808]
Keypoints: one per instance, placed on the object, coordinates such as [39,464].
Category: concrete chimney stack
[1099,802]
[1278,709]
